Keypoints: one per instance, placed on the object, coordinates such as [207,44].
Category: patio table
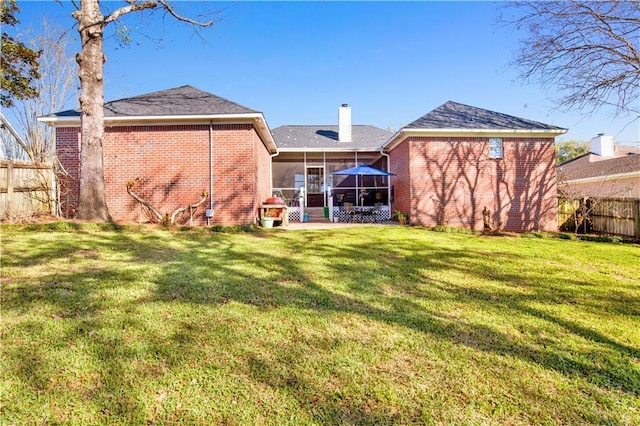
[367,212]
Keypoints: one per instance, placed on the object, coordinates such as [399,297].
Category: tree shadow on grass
[276,281]
[387,281]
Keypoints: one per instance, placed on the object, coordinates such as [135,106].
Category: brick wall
[399,164]
[453,180]
[172,163]
[68,150]
[263,173]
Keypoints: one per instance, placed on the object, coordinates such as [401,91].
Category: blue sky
[392,62]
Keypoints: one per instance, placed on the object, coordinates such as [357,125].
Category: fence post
[53,195]
[637,218]
[10,197]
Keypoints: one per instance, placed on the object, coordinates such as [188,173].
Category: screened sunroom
[308,156]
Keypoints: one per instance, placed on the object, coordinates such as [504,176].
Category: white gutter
[402,134]
[271,170]
[255,118]
[304,149]
[602,178]
[160,118]
[486,131]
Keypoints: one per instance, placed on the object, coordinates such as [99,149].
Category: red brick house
[449,164]
[457,160]
[178,142]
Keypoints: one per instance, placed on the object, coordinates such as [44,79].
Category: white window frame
[496,148]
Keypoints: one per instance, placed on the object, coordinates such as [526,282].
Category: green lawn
[371,325]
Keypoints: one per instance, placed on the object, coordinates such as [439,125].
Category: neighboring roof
[184,100]
[294,138]
[454,119]
[626,161]
[452,115]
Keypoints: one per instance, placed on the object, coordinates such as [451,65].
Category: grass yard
[370,325]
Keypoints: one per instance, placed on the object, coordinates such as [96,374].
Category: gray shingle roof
[452,115]
[326,137]
[184,100]
[626,159]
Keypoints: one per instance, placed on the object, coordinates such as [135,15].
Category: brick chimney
[344,123]
[602,145]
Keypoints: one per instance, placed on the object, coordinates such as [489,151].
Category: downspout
[384,154]
[286,210]
[209,213]
[271,170]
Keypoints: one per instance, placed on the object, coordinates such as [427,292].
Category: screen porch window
[315,179]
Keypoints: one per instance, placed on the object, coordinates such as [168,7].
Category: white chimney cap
[344,123]
[602,145]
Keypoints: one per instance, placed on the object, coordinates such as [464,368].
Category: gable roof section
[325,138]
[452,115]
[455,119]
[179,101]
[177,105]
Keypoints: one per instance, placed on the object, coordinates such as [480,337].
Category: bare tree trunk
[92,204]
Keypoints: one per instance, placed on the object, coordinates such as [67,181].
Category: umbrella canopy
[363,170]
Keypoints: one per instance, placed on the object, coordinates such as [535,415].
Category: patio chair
[294,201]
[351,212]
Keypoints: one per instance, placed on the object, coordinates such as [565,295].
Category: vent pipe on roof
[602,145]
[344,123]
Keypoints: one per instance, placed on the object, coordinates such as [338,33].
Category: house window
[495,148]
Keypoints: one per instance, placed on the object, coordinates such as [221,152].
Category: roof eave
[75,120]
[602,178]
[255,118]
[329,149]
[403,134]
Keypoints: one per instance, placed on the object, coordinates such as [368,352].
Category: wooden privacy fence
[618,216]
[26,188]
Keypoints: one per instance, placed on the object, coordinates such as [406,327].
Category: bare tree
[55,87]
[92,204]
[587,50]
[581,203]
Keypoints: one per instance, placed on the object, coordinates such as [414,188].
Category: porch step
[315,213]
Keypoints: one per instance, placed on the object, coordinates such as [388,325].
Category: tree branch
[587,52]
[169,220]
[133,7]
[141,200]
[182,18]
[203,197]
